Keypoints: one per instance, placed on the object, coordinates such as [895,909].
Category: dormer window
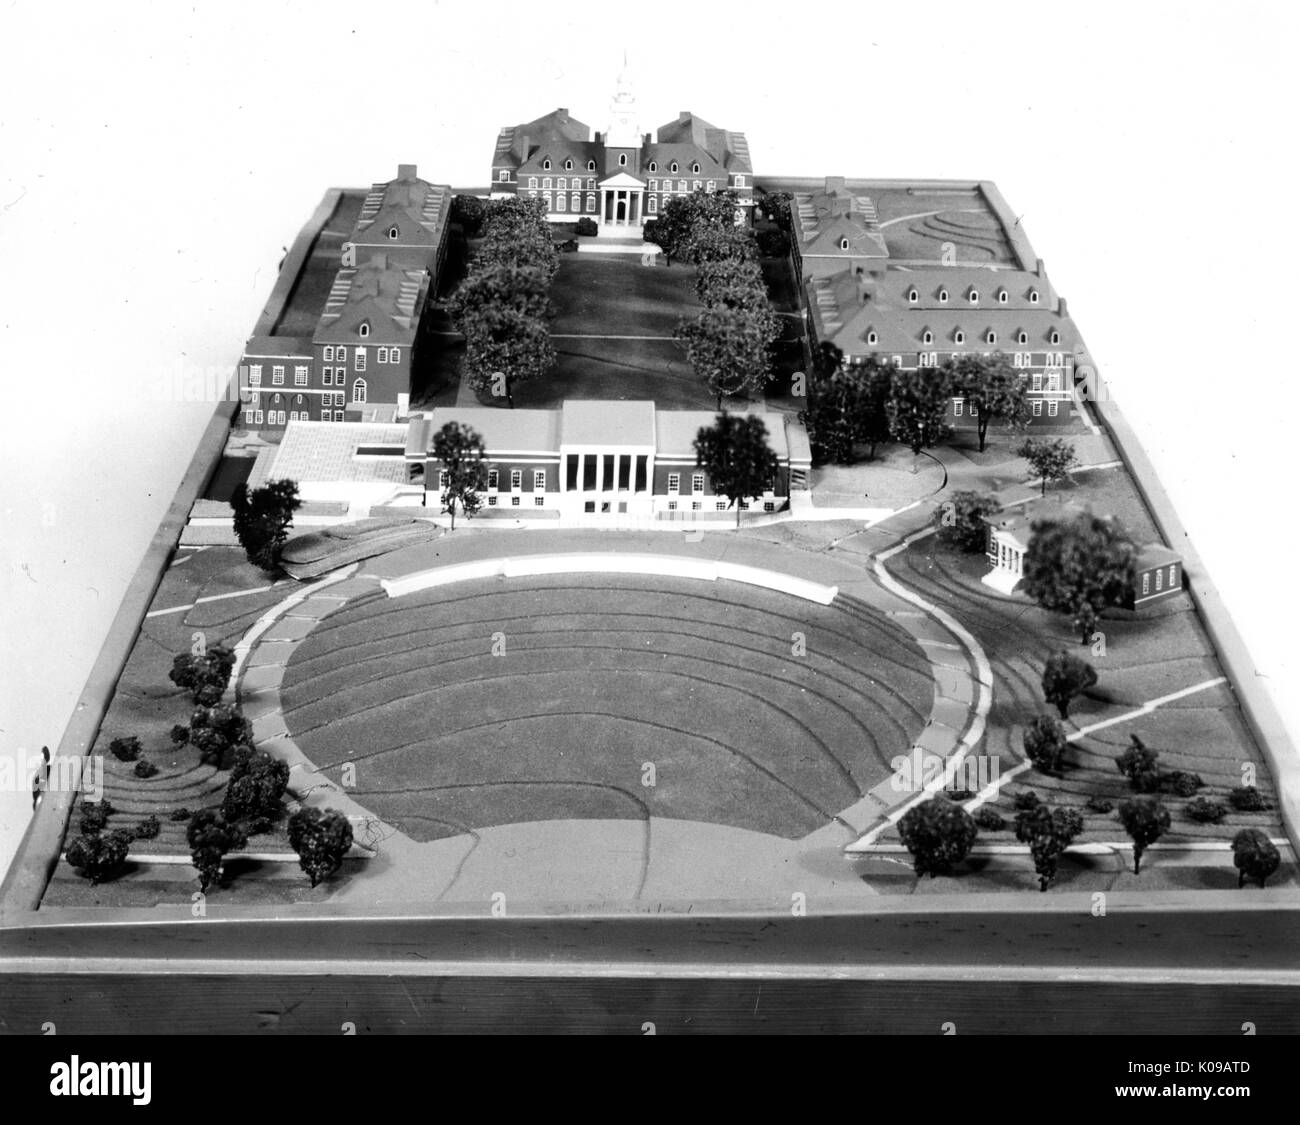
[654,165]
[1022,337]
[872,338]
[546,165]
[991,337]
[844,243]
[673,166]
[927,337]
[1002,296]
[568,165]
[943,296]
[363,329]
[622,159]
[959,337]
[1054,338]
[591,165]
[1033,296]
[392,233]
[913,296]
[695,168]
[974,296]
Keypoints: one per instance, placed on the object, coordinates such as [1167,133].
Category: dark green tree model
[735,455]
[918,407]
[1045,744]
[1048,832]
[125,749]
[1145,819]
[1254,856]
[709,243]
[255,785]
[938,833]
[321,837]
[775,205]
[263,517]
[460,454]
[1064,677]
[730,349]
[681,229]
[1050,460]
[99,855]
[216,732]
[211,837]
[960,520]
[733,283]
[523,289]
[205,675]
[470,212]
[992,389]
[503,348]
[847,407]
[1246,798]
[1079,566]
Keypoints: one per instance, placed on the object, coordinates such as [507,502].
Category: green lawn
[593,683]
[615,295]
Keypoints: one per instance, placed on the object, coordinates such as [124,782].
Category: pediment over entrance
[621,181]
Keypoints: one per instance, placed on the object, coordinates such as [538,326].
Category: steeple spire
[624,128]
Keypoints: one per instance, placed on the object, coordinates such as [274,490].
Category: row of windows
[300,373]
[990,337]
[722,505]
[1160,579]
[1053,408]
[538,501]
[280,418]
[972,294]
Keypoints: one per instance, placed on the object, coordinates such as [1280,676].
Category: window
[504,175]
[382,357]
[695,168]
[1146,584]
[696,185]
[681,185]
[672,505]
[568,166]
[673,166]
[363,330]
[957,407]
[654,166]
[1038,407]
[943,296]
[575,202]
[514,501]
[539,501]
[622,159]
[844,243]
[591,202]
[1051,408]
[991,337]
[1002,296]
[1054,338]
[959,337]
[443,478]
[927,337]
[697,482]
[277,375]
[927,359]
[1033,296]
[327,376]
[591,184]
[546,181]
[300,375]
[1038,382]
[654,185]
[1054,381]
[709,186]
[654,204]
[329,353]
[326,415]
[257,417]
[674,482]
[1173,569]
[697,506]
[973,296]
[341,354]
[546,167]
[360,363]
[591,167]
[255,375]
[532,181]
[1022,337]
[720,505]
[913,296]
[974,410]
[769,505]
[493,477]
[740,181]
[492,501]
[392,233]
[359,391]
[561,203]
[539,480]
[872,338]
[1160,580]
[516,479]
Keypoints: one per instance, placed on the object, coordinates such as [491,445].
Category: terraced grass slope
[513,700]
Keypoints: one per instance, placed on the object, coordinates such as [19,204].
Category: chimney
[683,116]
[1038,267]
[522,146]
[1061,310]
[834,183]
[406,172]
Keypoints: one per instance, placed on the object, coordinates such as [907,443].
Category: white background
[155,159]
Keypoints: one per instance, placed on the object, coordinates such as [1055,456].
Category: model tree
[1079,566]
[681,229]
[504,348]
[254,788]
[918,407]
[960,520]
[211,837]
[1064,677]
[524,289]
[459,452]
[938,833]
[1254,856]
[734,283]
[99,855]
[1140,765]
[735,455]
[730,349]
[263,517]
[470,212]
[1048,832]
[1045,743]
[203,674]
[1145,819]
[709,243]
[1049,460]
[847,407]
[321,837]
[992,389]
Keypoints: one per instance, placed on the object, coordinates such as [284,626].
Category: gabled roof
[418,208]
[958,281]
[728,151]
[515,143]
[389,299]
[823,219]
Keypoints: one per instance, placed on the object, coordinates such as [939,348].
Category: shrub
[1098,805]
[1048,832]
[1181,783]
[939,834]
[125,749]
[145,768]
[257,782]
[148,828]
[1025,799]
[1064,677]
[470,212]
[94,815]
[203,674]
[989,821]
[959,795]
[1246,798]
[180,735]
[216,733]
[1140,766]
[1045,744]
[321,837]
[960,520]
[180,814]
[1203,810]
[99,856]
[1145,819]
[262,520]
[773,242]
[587,226]
[210,836]
[1254,856]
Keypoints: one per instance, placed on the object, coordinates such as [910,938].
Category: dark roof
[390,299]
[556,128]
[417,207]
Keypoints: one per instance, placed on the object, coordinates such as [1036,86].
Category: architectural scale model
[617,536]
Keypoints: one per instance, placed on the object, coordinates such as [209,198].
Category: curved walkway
[689,860]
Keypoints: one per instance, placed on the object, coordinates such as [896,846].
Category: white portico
[622,203]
